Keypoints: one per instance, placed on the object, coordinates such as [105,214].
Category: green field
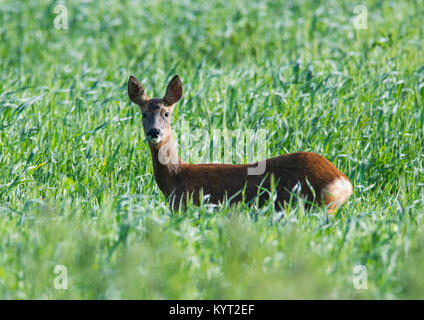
[76,179]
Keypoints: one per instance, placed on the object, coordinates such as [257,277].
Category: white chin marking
[340,189]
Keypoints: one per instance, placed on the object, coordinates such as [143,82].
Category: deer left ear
[136,91]
[174,91]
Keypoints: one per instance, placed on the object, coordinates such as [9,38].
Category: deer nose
[153,133]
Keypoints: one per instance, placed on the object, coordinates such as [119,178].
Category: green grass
[76,180]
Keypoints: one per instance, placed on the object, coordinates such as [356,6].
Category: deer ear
[136,91]
[174,91]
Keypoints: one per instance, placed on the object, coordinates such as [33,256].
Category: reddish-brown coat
[227,180]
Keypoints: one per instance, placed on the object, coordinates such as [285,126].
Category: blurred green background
[76,180]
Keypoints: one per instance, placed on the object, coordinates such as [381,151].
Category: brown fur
[178,179]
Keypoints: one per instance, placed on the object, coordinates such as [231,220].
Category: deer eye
[166,114]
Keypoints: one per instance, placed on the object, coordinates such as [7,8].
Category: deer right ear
[174,91]
[136,91]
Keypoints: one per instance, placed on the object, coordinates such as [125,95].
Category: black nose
[153,133]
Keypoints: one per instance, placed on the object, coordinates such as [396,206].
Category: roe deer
[178,179]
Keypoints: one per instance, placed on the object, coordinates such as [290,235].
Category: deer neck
[166,164]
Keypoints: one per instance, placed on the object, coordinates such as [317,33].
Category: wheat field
[81,216]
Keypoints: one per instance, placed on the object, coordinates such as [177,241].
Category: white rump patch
[340,189]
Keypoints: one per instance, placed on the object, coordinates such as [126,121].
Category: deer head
[156,111]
